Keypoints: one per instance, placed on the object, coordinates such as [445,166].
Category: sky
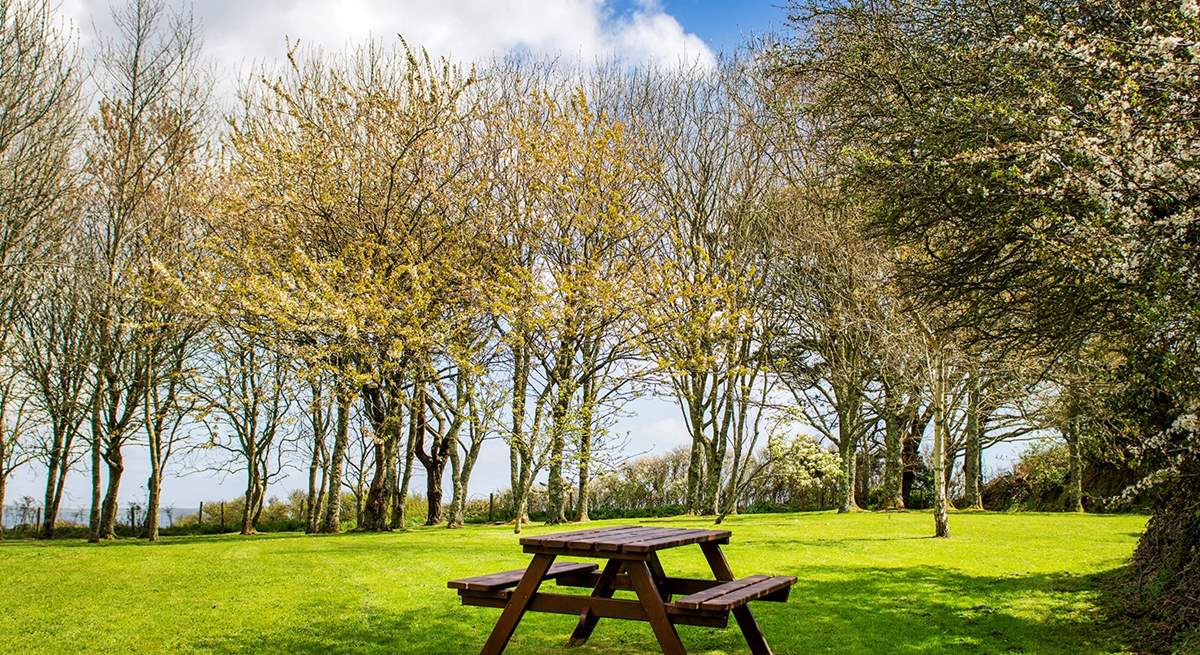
[242,34]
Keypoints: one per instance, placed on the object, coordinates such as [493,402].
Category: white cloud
[242,33]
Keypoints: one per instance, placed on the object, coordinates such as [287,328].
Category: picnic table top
[623,539]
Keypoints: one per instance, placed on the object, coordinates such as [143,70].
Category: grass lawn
[869,583]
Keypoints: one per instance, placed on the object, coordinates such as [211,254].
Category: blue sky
[724,25]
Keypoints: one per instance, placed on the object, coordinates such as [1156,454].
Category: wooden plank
[558,538]
[745,618]
[604,608]
[698,599]
[740,596]
[507,579]
[611,542]
[658,534]
[586,551]
[672,541]
[676,586]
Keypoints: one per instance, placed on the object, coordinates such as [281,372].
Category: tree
[39,124]
[704,326]
[247,389]
[142,149]
[347,224]
[1044,154]
[16,421]
[830,281]
[56,347]
[319,424]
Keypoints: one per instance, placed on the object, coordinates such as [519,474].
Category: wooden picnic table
[632,564]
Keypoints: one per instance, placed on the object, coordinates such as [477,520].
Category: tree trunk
[556,511]
[333,509]
[251,497]
[893,465]
[973,453]
[154,490]
[1074,496]
[848,449]
[94,512]
[108,514]
[456,489]
[522,503]
[587,412]
[316,492]
[910,451]
[3,490]
[941,430]
[434,473]
[375,514]
[55,478]
[406,475]
[395,509]
[516,461]
[695,475]
[317,467]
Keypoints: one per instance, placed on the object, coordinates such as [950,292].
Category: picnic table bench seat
[506,579]
[735,593]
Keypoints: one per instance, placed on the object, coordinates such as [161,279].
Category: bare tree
[706,326]
[246,393]
[143,139]
[16,422]
[39,121]
[56,345]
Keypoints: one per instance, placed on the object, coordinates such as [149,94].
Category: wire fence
[30,514]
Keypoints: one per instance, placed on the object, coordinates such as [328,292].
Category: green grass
[869,583]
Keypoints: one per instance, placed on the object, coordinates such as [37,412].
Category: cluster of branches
[380,260]
[1039,159]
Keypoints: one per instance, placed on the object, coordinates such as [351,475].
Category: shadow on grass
[833,609]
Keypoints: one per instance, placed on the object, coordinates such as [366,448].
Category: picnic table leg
[745,619]
[517,604]
[660,576]
[605,588]
[656,610]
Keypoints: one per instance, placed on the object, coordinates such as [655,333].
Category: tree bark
[893,465]
[251,499]
[154,490]
[333,510]
[108,515]
[973,453]
[316,488]
[911,454]
[435,472]
[941,430]
[96,490]
[406,474]
[1074,496]
[586,417]
[848,449]
[556,511]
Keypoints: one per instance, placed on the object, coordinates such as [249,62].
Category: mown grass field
[869,583]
